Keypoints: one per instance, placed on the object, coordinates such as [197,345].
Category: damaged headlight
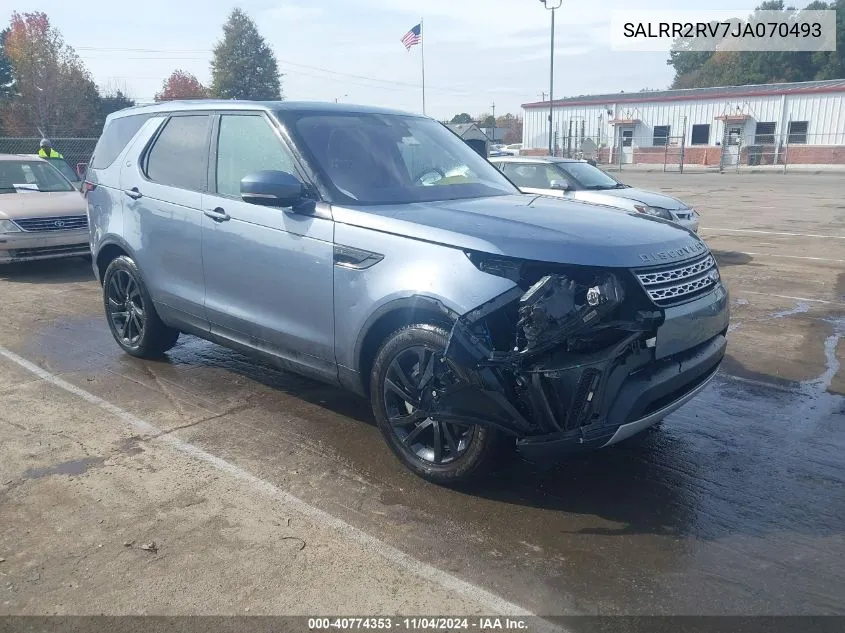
[557,308]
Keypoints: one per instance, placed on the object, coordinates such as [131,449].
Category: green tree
[111,102]
[831,64]
[701,69]
[114,101]
[7,80]
[486,120]
[463,117]
[243,65]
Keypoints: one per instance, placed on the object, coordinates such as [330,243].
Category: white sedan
[579,180]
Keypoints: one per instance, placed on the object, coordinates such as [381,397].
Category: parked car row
[374,250]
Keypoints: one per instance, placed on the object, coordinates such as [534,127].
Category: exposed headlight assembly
[7,226]
[655,211]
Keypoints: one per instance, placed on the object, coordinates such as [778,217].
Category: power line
[282,62]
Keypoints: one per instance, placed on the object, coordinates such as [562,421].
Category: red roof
[724,92]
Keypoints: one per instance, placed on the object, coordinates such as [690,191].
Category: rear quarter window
[114,138]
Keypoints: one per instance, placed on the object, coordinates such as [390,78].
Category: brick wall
[814,155]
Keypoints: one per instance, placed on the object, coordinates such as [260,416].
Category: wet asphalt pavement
[735,504]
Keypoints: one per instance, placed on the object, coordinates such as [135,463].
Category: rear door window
[179,156]
[114,138]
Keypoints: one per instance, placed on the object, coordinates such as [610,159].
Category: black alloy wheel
[126,308]
[405,382]
[409,385]
[131,315]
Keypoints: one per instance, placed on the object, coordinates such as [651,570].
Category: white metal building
[710,124]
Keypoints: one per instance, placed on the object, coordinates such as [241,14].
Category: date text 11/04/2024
[419,623]
[722,30]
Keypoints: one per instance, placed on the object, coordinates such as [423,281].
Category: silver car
[375,250]
[579,180]
[42,215]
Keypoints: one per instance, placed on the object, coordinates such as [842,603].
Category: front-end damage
[562,363]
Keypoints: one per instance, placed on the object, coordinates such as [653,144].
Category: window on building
[701,134]
[764,133]
[661,135]
[798,132]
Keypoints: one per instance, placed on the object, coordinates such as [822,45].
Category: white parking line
[815,259]
[370,543]
[827,237]
[769,294]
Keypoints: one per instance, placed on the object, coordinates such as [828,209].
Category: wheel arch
[108,251]
[391,317]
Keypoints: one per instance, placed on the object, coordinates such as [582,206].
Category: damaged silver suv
[375,250]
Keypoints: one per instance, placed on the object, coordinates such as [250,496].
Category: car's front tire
[130,313]
[441,452]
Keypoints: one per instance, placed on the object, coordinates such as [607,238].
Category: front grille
[671,285]
[57,223]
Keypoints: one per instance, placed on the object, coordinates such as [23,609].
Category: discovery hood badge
[660,257]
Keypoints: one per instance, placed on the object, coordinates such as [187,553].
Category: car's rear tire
[130,313]
[442,453]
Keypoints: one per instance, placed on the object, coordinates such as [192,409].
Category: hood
[650,198]
[534,228]
[38,204]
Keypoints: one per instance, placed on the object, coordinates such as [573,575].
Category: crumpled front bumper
[643,398]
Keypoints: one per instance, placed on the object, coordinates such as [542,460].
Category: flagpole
[422,50]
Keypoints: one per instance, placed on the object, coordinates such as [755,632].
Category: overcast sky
[476,51]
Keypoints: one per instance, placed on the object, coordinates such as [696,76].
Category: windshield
[17,176]
[394,159]
[66,169]
[589,177]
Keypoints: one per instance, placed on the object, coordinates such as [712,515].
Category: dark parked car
[375,250]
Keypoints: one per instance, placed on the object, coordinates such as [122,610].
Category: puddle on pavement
[70,468]
[800,308]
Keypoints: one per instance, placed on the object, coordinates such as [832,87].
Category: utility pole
[542,96]
[494,120]
[552,5]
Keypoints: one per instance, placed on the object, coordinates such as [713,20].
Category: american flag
[413,37]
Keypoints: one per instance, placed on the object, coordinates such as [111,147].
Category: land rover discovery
[375,250]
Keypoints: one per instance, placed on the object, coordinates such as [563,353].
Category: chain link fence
[74,150]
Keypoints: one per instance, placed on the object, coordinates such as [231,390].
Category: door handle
[218,215]
[133,193]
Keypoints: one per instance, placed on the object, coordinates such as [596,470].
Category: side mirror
[81,168]
[560,185]
[272,189]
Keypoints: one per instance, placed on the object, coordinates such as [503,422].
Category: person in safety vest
[47,150]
